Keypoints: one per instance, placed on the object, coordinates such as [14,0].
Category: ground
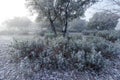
[12,71]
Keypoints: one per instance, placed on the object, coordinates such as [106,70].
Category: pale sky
[104,4]
[12,8]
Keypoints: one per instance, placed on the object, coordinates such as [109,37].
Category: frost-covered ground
[12,71]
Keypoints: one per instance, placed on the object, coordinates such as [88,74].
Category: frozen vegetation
[80,56]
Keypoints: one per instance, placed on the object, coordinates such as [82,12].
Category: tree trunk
[65,30]
[52,23]
[66,24]
[66,20]
[53,27]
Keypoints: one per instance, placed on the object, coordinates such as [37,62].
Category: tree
[20,25]
[78,25]
[103,21]
[61,11]
[18,22]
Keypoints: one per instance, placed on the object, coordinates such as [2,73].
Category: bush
[30,49]
[66,53]
[107,49]
[110,35]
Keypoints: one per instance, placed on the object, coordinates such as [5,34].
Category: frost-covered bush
[110,35]
[107,49]
[30,49]
[67,53]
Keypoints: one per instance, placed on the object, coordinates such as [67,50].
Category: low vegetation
[110,35]
[66,53]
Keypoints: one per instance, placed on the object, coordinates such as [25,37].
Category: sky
[103,4]
[16,8]
[10,9]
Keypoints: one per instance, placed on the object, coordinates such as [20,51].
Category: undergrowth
[65,53]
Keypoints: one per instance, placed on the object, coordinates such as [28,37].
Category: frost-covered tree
[61,11]
[19,24]
[103,21]
[78,25]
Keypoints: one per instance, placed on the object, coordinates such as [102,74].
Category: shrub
[110,35]
[107,49]
[67,53]
[28,49]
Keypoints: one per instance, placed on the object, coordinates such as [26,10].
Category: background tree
[18,22]
[18,25]
[103,21]
[78,25]
[23,25]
